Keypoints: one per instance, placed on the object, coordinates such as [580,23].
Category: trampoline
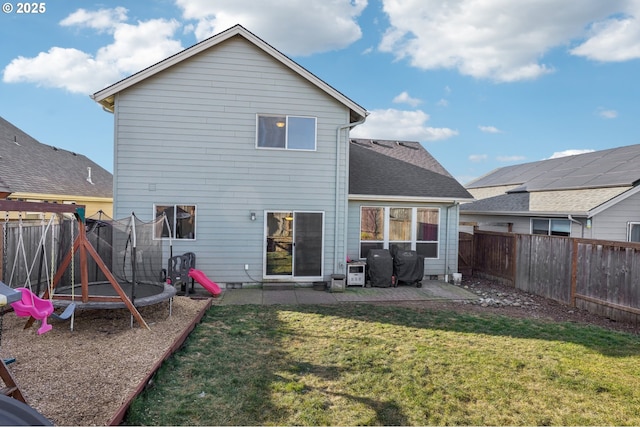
[145,294]
[110,264]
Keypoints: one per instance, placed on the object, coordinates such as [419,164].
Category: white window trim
[414,228]
[286,138]
[548,225]
[291,276]
[629,225]
[195,223]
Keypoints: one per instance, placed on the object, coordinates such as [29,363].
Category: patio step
[277,286]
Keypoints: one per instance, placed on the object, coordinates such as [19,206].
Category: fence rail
[597,275]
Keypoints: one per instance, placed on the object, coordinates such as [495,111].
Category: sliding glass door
[294,243]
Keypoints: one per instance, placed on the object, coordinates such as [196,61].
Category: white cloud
[477,158]
[103,19]
[400,125]
[296,27]
[134,47]
[510,158]
[614,39]
[503,40]
[443,103]
[69,69]
[489,129]
[566,153]
[608,114]
[404,98]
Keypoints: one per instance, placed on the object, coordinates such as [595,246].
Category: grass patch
[352,364]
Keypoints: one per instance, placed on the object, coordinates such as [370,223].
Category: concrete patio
[432,290]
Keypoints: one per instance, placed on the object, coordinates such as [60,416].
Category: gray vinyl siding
[612,223]
[188,136]
[447,261]
[520,224]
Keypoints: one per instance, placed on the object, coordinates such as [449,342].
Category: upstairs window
[286,132]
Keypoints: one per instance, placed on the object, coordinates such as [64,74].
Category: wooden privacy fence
[15,271]
[597,275]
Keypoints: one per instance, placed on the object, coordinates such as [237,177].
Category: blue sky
[481,83]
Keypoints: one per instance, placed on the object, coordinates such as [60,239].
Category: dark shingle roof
[399,168]
[606,168]
[515,202]
[28,166]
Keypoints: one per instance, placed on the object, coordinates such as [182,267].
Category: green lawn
[358,364]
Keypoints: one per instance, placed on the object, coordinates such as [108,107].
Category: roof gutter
[528,213]
[337,263]
[393,198]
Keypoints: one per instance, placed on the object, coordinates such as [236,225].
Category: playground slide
[206,283]
[32,305]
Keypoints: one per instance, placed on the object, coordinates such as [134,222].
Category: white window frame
[630,226]
[414,228]
[549,231]
[173,226]
[287,127]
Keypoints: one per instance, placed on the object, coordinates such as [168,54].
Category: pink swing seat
[32,305]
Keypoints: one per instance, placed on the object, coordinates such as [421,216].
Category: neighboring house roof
[106,96]
[399,170]
[581,184]
[27,166]
[507,203]
[606,168]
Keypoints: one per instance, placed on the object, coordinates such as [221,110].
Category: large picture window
[286,132]
[180,224]
[400,227]
[371,229]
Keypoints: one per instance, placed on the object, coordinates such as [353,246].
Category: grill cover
[379,268]
[408,267]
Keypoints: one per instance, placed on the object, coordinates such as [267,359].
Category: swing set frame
[84,248]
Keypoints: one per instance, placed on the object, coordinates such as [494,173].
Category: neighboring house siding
[187,136]
[448,245]
[520,224]
[611,224]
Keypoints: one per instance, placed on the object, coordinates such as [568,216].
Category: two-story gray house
[248,154]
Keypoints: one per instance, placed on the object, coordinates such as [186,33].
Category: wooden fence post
[514,261]
[574,272]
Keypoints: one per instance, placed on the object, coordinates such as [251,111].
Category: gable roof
[581,185]
[614,167]
[106,96]
[399,170]
[27,166]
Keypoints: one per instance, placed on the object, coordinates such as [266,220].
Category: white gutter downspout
[577,222]
[446,243]
[337,264]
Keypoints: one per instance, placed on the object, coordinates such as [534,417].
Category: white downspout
[337,264]
[570,218]
[446,243]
